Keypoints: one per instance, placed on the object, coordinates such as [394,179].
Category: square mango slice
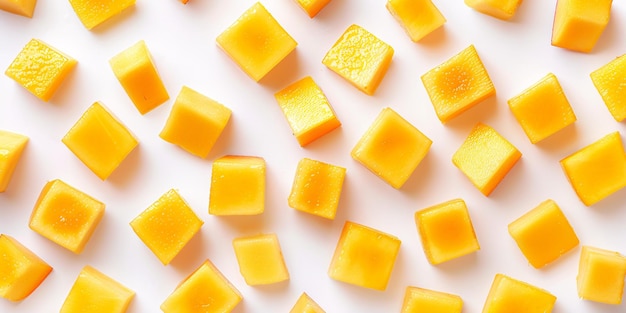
[418,300]
[601,275]
[312,7]
[509,295]
[95,12]
[306,305]
[96,292]
[418,17]
[256,42]
[610,80]
[502,9]
[260,259]
[578,24]
[597,170]
[237,186]
[22,271]
[21,7]
[66,215]
[40,68]
[317,187]
[11,147]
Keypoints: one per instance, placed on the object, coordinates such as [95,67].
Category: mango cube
[601,275]
[237,186]
[418,300]
[578,24]
[597,170]
[40,69]
[260,259]
[502,9]
[418,17]
[360,57]
[205,290]
[306,305]
[100,140]
[312,7]
[22,271]
[95,12]
[195,122]
[256,42]
[307,110]
[485,158]
[364,257]
[458,84]
[610,80]
[20,7]
[391,148]
[316,188]
[96,292]
[509,295]
[11,148]
[167,226]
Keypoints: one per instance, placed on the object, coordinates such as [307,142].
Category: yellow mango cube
[446,231]
[364,257]
[95,12]
[205,290]
[502,9]
[359,57]
[100,140]
[237,186]
[22,271]
[307,110]
[543,234]
[418,300]
[485,157]
[96,292]
[601,275]
[578,24]
[20,7]
[610,80]
[316,188]
[509,295]
[195,122]
[260,259]
[458,84]
[597,170]
[312,7]
[391,148]
[11,148]
[40,69]
[66,215]
[306,305]
[418,17]
[256,42]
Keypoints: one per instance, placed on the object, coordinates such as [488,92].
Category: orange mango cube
[312,7]
[96,292]
[601,275]
[20,7]
[418,300]
[418,17]
[316,188]
[502,9]
[22,271]
[95,12]
[306,305]
[509,295]
[610,80]
[11,148]
[578,24]
[260,259]
[237,186]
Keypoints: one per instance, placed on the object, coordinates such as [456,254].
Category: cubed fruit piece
[256,42]
[360,57]
[317,187]
[95,292]
[446,231]
[21,270]
[306,305]
[458,84]
[95,12]
[391,148]
[312,7]
[139,77]
[206,290]
[21,7]
[508,295]
[260,259]
[100,140]
[195,122]
[307,110]
[502,9]
[364,257]
[610,80]
[578,24]
[418,17]
[418,300]
[543,234]
[237,186]
[601,275]
[485,158]
[11,147]
[40,69]
[597,170]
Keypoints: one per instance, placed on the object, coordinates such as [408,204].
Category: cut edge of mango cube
[418,18]
[504,10]
[11,148]
[601,275]
[24,8]
[29,278]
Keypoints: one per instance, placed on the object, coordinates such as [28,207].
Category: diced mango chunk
[418,300]
[11,147]
[364,257]
[578,24]
[95,12]
[306,305]
[601,275]
[502,9]
[360,57]
[21,270]
[237,186]
[418,17]
[391,148]
[96,292]
[167,226]
[317,187]
[610,80]
[260,259]
[312,7]
[20,7]
[509,295]
[597,170]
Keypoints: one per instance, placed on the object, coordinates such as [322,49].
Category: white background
[181,39]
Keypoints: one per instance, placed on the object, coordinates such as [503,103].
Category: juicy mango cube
[610,80]
[65,215]
[237,186]
[11,147]
[260,259]
[100,140]
[95,12]
[22,271]
[418,17]
[317,187]
[40,69]
[360,57]
[20,7]
[578,24]
[95,292]
[509,295]
[502,9]
[306,305]
[601,275]
[597,170]
[312,7]
[256,42]
[418,300]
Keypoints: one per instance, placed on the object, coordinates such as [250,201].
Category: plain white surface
[182,41]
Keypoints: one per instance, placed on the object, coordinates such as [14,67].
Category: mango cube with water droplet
[306,305]
[418,300]
[601,275]
[578,24]
[418,17]
[502,9]
[95,12]
[20,7]
[11,148]
[260,259]
[317,187]
[22,271]
[237,186]
[312,7]
[509,295]
[610,80]
[96,292]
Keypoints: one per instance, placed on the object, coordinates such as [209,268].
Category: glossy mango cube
[364,257]
[256,42]
[458,84]
[446,231]
[509,295]
[312,7]
[40,68]
[95,12]
[260,259]
[11,147]
[307,110]
[237,186]
[136,72]
[22,271]
[418,17]
[485,157]
[601,275]
[195,122]
[360,57]
[502,9]
[597,170]
[578,24]
[317,187]
[20,7]
[100,140]
[418,300]
[205,290]
[610,80]
[391,148]
[166,226]
[96,292]
[306,305]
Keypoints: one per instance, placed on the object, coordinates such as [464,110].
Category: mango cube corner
[306,305]
[502,9]
[609,80]
[22,271]
[20,7]
[95,12]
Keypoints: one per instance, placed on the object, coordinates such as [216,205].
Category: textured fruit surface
[317,187]
[610,80]
[94,12]
[95,292]
[21,270]
[508,295]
